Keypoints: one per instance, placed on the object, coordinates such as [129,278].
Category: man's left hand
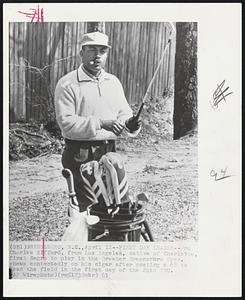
[133,124]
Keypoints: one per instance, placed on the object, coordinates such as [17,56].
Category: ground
[165,169]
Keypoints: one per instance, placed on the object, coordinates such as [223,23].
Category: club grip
[139,111]
[67,174]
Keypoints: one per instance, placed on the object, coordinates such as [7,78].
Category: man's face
[94,57]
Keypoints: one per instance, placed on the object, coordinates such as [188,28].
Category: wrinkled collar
[84,76]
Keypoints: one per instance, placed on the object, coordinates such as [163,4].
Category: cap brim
[95,44]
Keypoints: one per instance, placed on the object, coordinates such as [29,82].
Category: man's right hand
[112,125]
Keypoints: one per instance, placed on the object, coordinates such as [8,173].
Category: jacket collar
[82,75]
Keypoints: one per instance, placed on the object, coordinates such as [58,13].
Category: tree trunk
[185,94]
[96,26]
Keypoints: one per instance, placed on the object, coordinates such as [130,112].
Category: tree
[185,94]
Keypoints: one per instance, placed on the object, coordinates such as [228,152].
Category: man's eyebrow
[95,47]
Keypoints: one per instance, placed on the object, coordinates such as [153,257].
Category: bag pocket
[82,155]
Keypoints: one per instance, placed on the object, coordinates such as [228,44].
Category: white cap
[95,38]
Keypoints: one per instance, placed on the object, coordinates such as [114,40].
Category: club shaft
[158,66]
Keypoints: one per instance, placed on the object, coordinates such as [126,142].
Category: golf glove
[133,124]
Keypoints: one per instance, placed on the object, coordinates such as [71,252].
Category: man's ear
[81,52]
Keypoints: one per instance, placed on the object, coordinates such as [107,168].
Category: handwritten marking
[43,247]
[219,95]
[36,15]
[221,176]
[10,273]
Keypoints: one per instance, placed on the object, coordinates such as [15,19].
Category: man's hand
[133,124]
[112,125]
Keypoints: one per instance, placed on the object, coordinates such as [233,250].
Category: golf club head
[91,219]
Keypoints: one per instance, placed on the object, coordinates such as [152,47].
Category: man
[92,111]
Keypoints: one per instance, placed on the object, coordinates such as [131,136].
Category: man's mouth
[95,63]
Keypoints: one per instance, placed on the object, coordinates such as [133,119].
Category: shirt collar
[83,75]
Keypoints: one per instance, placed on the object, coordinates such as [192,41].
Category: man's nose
[97,53]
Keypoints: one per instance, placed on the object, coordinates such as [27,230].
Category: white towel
[78,229]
